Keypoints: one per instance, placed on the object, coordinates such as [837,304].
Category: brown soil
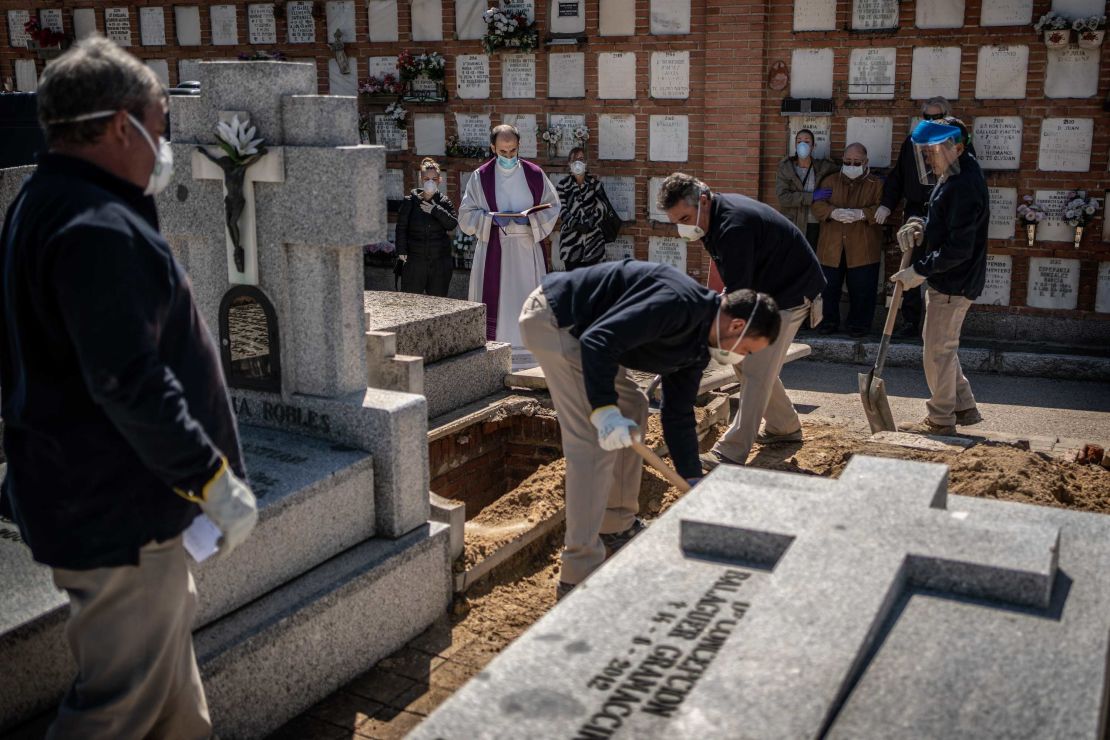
[653,435]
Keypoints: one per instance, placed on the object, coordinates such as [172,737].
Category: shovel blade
[872,392]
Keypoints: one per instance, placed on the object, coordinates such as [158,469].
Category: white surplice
[522,265]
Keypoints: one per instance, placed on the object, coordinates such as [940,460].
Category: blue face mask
[506,162]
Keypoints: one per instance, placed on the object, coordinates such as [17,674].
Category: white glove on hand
[841,215]
[855,214]
[426,206]
[881,214]
[403,257]
[231,506]
[908,278]
[912,234]
[614,431]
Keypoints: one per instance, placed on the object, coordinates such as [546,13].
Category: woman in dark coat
[425,227]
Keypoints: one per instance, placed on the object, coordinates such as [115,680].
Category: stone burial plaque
[811,73]
[668,138]
[261,24]
[655,213]
[381,66]
[935,71]
[388,134]
[161,68]
[340,82]
[1002,72]
[567,123]
[1003,213]
[623,248]
[394,184]
[567,16]
[468,19]
[616,136]
[873,15]
[819,125]
[299,22]
[225,29]
[1102,290]
[566,75]
[1072,73]
[670,75]
[472,76]
[427,20]
[1053,228]
[340,16]
[616,75]
[429,132]
[186,19]
[518,76]
[940,13]
[814,15]
[668,250]
[1006,13]
[52,18]
[996,291]
[117,25]
[774,605]
[383,20]
[871,74]
[1066,144]
[17,36]
[528,7]
[473,128]
[669,17]
[997,142]
[1079,8]
[617,18]
[152,26]
[26,76]
[875,134]
[622,194]
[526,124]
[1053,283]
[84,22]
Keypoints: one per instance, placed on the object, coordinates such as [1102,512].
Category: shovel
[872,389]
[656,462]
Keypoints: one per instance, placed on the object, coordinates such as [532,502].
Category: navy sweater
[954,253]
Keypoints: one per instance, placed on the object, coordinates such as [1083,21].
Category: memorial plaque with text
[1053,283]
[940,13]
[935,71]
[996,290]
[84,22]
[1053,228]
[225,28]
[670,74]
[527,7]
[26,76]
[52,18]
[872,15]
[616,136]
[301,25]
[1003,209]
[669,250]
[472,75]
[811,73]
[1066,144]
[429,133]
[669,17]
[616,75]
[1002,72]
[1072,73]
[152,26]
[473,128]
[655,213]
[17,36]
[379,67]
[819,126]
[518,76]
[668,138]
[998,142]
[623,248]
[622,194]
[427,20]
[1006,13]
[526,125]
[568,16]
[814,15]
[875,134]
[341,17]
[567,123]
[1102,289]
[566,75]
[187,20]
[383,20]
[261,25]
[617,18]
[871,74]
[117,25]
[389,135]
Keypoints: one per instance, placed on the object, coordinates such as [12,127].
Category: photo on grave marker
[811,73]
[997,142]
[225,29]
[669,250]
[567,16]
[187,21]
[669,17]
[152,26]
[427,20]
[299,22]
[117,25]
[1003,205]
[871,74]
[871,15]
[383,20]
[617,18]
[670,75]
[1072,73]
[1002,72]
[566,75]
[616,75]
[1006,13]
[518,76]
[875,133]
[940,13]
[472,76]
[621,191]
[1065,145]
[616,136]
[261,24]
[814,15]
[668,138]
[1053,283]
[935,71]
[249,341]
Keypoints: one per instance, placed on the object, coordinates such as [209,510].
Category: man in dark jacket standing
[117,419]
[754,247]
[425,227]
[585,327]
[953,245]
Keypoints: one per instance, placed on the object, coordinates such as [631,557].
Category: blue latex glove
[822,194]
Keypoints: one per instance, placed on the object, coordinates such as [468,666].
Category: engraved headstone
[568,16]
[379,67]
[875,134]
[152,26]
[996,290]
[17,35]
[622,194]
[527,7]
[1053,283]
[26,76]
[998,142]
[186,19]
[117,25]
[427,20]
[1003,208]
[84,22]
[52,18]
[1006,13]
[935,71]
[1072,73]
[811,73]
[1053,228]
[1102,288]
[1066,144]
[623,248]
[871,74]
[160,68]
[617,18]
[388,134]
[870,15]
[814,15]
[299,22]
[472,75]
[669,250]
[566,75]
[670,74]
[940,13]
[518,76]
[526,125]
[261,25]
[616,75]
[383,20]
[473,128]
[1079,8]
[670,17]
[616,136]
[340,82]
[655,213]
[429,133]
[225,27]
[340,16]
[668,138]
[468,19]
[567,123]
[1002,72]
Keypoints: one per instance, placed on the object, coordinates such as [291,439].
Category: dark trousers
[813,235]
[425,273]
[863,284]
[911,307]
[568,266]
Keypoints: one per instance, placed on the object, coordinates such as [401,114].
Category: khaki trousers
[602,488]
[949,390]
[130,630]
[763,396]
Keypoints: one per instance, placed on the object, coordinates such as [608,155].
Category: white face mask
[578,167]
[852,171]
[162,172]
[692,232]
[729,356]
[430,186]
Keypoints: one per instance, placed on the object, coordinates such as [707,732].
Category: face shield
[936,151]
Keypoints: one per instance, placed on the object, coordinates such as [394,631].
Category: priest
[508,262]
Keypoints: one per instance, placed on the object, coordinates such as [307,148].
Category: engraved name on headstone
[616,136]
[622,194]
[654,212]
[1053,228]
[379,67]
[814,15]
[996,290]
[567,123]
[261,25]
[427,20]
[152,26]
[1072,73]
[383,20]
[875,134]
[429,133]
[526,125]
[617,18]
[299,22]
[473,128]
[935,71]
[566,75]
[669,250]
[1006,13]
[472,75]
[52,18]
[225,28]
[1003,208]
[623,248]
[117,25]
[1102,288]
[616,75]
[468,19]
[567,16]
[871,74]
[84,22]
[389,135]
[1066,144]
[670,17]
[811,73]
[668,138]
[1001,73]
[670,74]
[1053,283]
[819,126]
[187,21]
[868,15]
[998,142]
[17,35]
[528,7]
[518,76]
[940,13]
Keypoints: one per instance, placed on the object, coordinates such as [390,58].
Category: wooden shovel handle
[656,462]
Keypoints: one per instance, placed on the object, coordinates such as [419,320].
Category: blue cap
[931,132]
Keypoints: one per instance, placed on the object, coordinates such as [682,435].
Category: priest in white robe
[508,261]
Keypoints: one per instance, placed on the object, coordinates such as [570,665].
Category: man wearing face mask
[851,242]
[508,259]
[586,328]
[753,246]
[118,427]
[424,227]
[583,203]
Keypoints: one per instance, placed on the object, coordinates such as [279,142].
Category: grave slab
[1002,72]
[1072,73]
[998,141]
[152,26]
[1006,13]
[460,379]
[616,75]
[518,76]
[187,22]
[815,15]
[940,14]
[811,73]
[935,71]
[871,74]
[670,17]
[84,22]
[117,25]
[1003,207]
[566,75]
[261,24]
[872,15]
[1066,144]
[617,18]
[996,290]
[383,20]
[427,326]
[427,20]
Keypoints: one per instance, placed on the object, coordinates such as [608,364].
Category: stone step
[433,328]
[459,380]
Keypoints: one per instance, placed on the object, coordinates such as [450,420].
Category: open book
[522,214]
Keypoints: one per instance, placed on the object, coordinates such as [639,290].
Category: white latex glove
[881,214]
[912,234]
[403,257]
[855,214]
[614,431]
[841,215]
[908,278]
[231,506]
[426,206]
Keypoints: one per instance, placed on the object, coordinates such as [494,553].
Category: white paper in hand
[202,539]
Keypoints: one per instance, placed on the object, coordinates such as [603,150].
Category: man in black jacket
[953,247]
[425,227]
[754,247]
[117,419]
[585,328]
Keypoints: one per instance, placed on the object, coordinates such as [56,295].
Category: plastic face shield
[936,152]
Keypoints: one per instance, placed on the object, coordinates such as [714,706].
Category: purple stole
[491,271]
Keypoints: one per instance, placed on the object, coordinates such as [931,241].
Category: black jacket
[903,181]
[112,387]
[758,248]
[955,246]
[425,234]
[647,317]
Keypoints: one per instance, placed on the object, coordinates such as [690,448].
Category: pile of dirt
[653,435]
